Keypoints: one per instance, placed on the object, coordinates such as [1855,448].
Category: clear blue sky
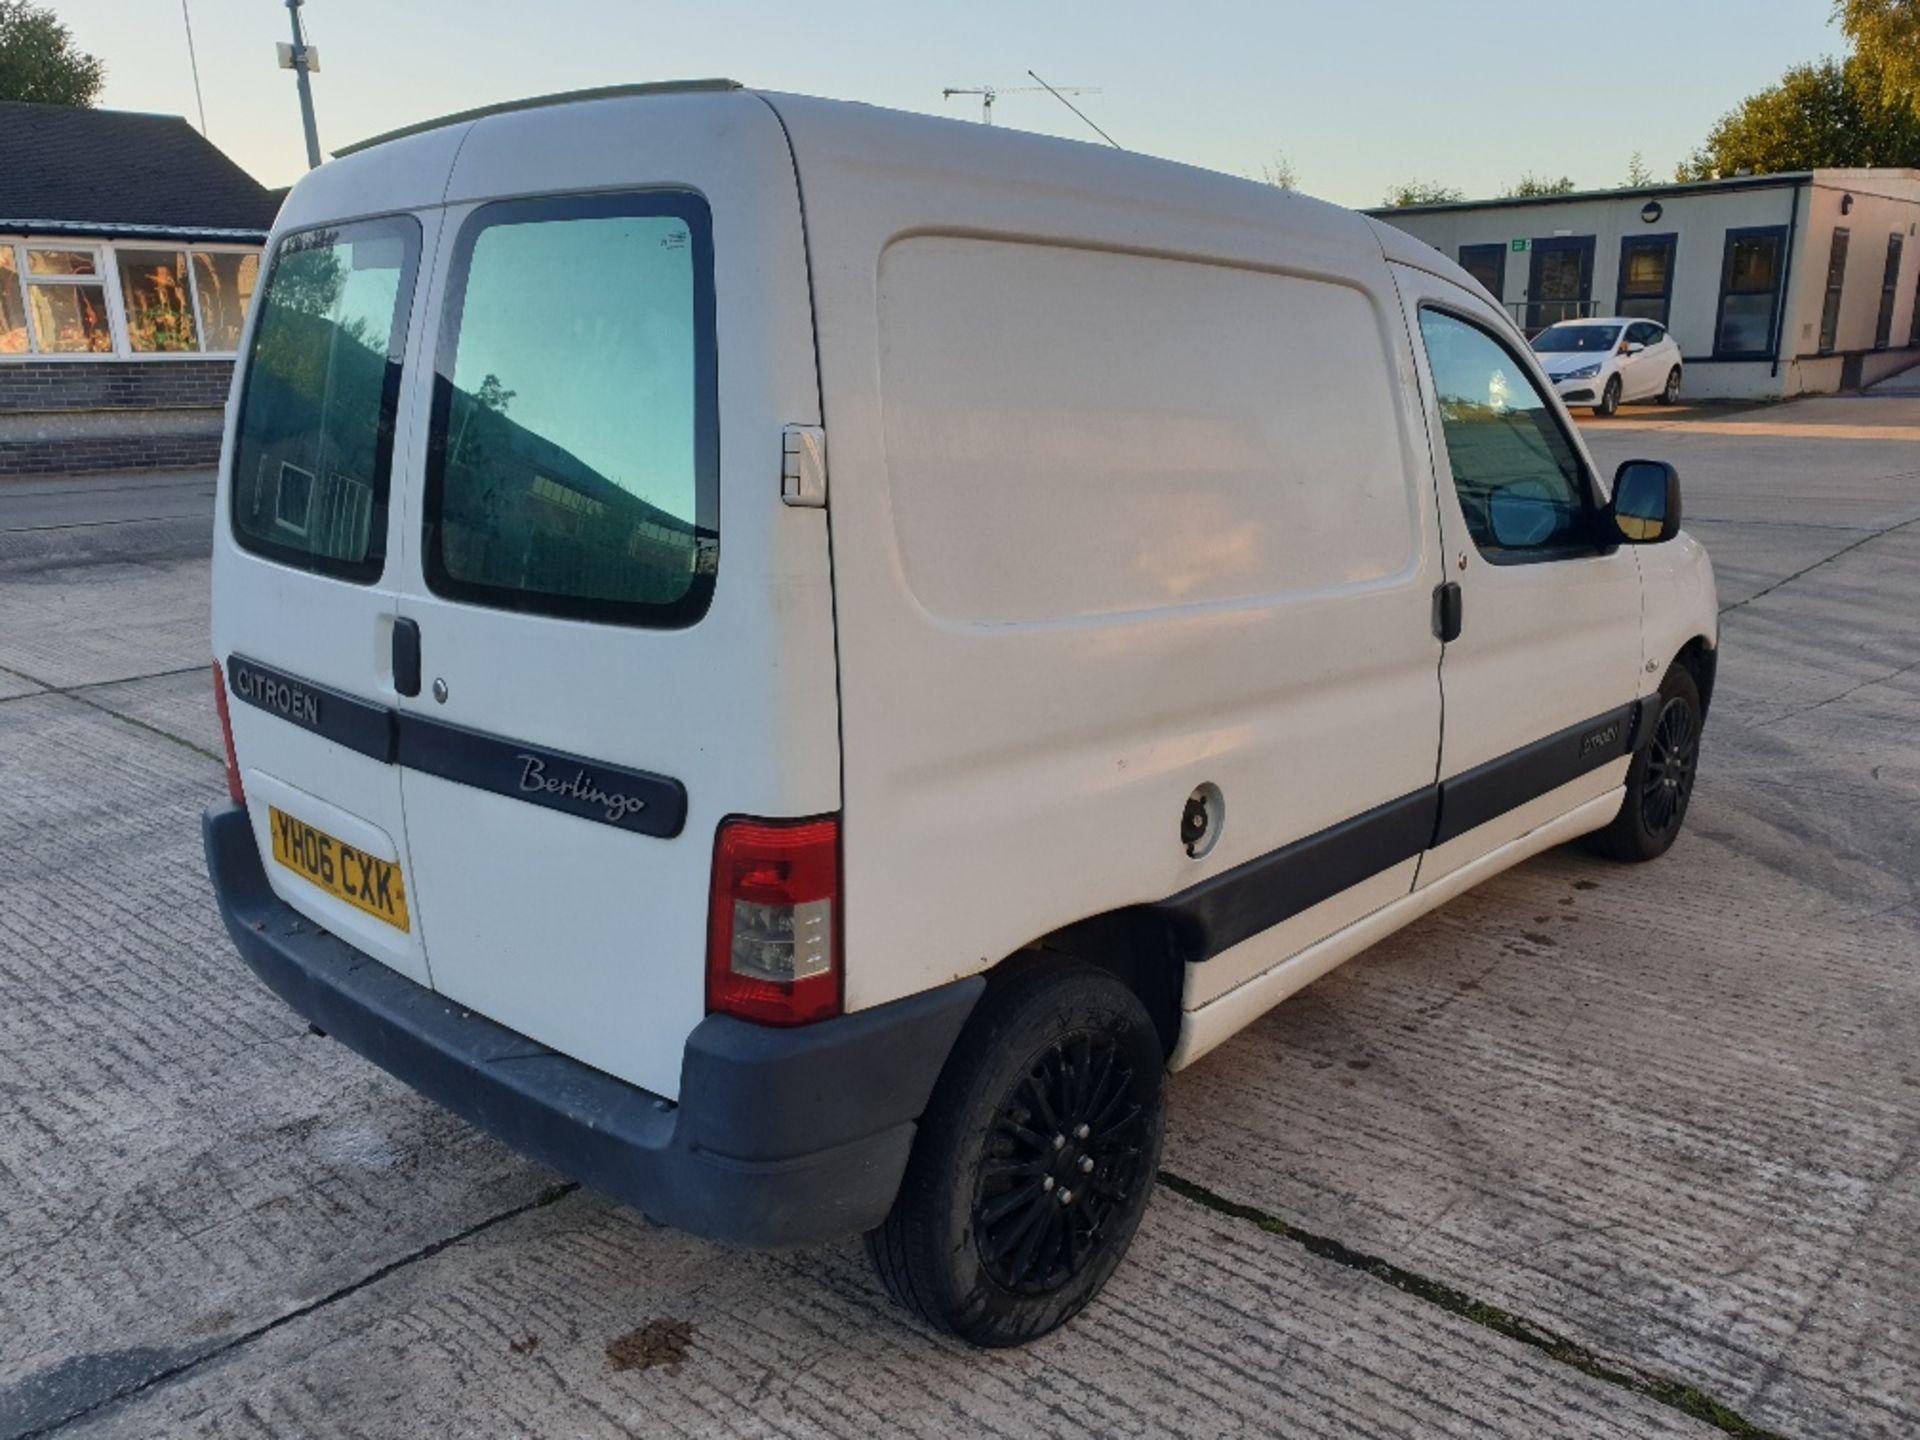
[1358,94]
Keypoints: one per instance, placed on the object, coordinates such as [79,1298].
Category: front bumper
[1579,392]
[781,1137]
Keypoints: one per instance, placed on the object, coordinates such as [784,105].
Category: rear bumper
[781,1137]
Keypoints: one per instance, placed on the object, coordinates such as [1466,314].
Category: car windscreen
[314,442]
[1559,339]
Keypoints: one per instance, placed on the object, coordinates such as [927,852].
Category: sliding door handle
[406,656]
[1446,611]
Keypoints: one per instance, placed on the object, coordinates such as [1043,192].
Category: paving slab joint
[1689,1399]
[548,1196]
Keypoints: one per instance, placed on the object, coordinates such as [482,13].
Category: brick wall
[114,384]
[124,452]
[139,415]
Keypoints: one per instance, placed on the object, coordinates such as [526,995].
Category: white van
[792,660]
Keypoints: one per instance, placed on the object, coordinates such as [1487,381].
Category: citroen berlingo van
[792,660]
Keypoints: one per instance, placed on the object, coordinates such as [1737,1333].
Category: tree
[1531,184]
[39,61]
[1279,173]
[1420,192]
[1834,113]
[1638,175]
[1885,34]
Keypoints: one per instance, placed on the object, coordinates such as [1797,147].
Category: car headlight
[1585,372]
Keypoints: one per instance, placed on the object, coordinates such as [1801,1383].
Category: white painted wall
[1883,200]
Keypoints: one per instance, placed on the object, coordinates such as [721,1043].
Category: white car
[794,839]
[1608,361]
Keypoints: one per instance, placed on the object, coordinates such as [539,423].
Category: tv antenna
[194,60]
[989,93]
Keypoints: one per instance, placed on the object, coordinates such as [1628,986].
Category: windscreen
[1560,339]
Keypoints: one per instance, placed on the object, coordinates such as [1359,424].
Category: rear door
[310,547]
[597,688]
[1539,684]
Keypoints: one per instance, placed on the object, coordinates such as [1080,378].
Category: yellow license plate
[364,881]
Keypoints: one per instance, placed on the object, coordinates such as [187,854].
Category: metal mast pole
[306,88]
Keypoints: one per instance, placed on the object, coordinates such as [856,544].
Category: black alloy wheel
[1035,1158]
[1660,776]
[1062,1159]
[1671,759]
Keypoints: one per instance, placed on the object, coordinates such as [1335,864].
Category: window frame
[367,571]
[1669,243]
[106,258]
[105,278]
[1833,291]
[1778,234]
[1500,253]
[1889,289]
[119,255]
[689,207]
[1913,320]
[1592,496]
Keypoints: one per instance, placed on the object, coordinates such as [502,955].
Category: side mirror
[1646,502]
[1633,347]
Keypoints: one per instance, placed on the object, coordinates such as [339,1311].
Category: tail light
[234,787]
[773,929]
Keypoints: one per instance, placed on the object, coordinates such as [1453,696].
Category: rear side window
[1520,483]
[573,463]
[314,444]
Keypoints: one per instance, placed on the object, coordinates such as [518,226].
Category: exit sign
[1519,245]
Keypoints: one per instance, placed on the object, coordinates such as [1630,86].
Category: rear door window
[313,448]
[573,464]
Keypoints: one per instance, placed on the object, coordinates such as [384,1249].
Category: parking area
[1592,1151]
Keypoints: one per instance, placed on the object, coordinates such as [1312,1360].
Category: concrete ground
[1594,1151]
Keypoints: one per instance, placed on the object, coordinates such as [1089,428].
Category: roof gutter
[1673,190]
[109,230]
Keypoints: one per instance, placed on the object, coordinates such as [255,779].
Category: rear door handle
[1446,616]
[406,656]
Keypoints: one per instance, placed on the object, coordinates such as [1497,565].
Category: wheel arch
[1134,945]
[1701,660]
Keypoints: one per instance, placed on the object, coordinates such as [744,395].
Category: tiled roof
[117,168]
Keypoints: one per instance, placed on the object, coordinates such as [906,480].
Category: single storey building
[1773,285]
[129,250]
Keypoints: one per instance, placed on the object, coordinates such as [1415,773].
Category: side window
[1488,265]
[1642,334]
[572,467]
[1750,275]
[1519,481]
[314,442]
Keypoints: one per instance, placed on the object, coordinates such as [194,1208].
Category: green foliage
[1420,192]
[1531,184]
[39,61]
[1885,34]
[1834,113]
[1638,175]
[1279,173]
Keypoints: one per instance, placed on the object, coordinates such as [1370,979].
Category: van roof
[1139,201]
[537,102]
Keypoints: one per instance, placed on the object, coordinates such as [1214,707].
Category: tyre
[1670,392]
[1609,398]
[1660,779]
[1034,1161]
